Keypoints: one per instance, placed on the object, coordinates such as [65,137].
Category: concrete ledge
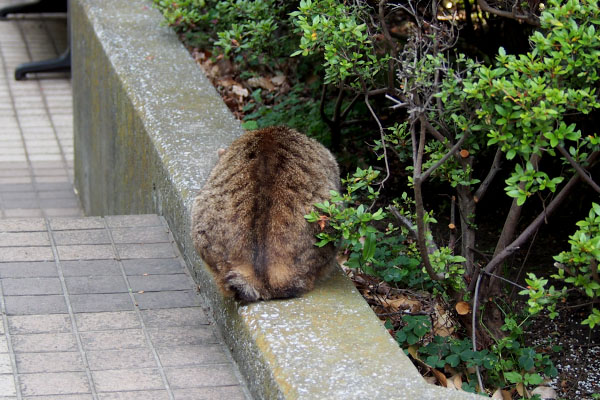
[147,128]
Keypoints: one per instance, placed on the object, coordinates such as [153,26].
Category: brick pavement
[92,308]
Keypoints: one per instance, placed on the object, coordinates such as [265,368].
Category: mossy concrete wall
[148,125]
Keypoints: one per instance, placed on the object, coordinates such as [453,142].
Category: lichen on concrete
[148,125]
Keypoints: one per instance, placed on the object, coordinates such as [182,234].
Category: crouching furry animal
[248,220]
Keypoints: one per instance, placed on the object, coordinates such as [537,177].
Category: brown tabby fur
[248,220]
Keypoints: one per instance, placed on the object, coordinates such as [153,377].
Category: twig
[583,173]
[446,156]
[474,330]
[382,134]
[532,20]
[480,192]
[411,228]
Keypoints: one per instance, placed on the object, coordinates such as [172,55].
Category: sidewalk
[92,308]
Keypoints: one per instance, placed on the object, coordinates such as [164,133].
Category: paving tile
[136,395]
[58,224]
[31,286]
[62,397]
[201,376]
[182,335]
[49,362]
[5,364]
[54,383]
[60,203]
[90,268]
[15,187]
[83,303]
[44,342]
[124,221]
[154,283]
[151,234]
[211,393]
[21,203]
[26,253]
[96,284]
[85,252]
[127,380]
[107,321]
[190,316]
[29,305]
[171,299]
[120,359]
[22,225]
[56,194]
[152,266]
[3,344]
[181,356]
[7,385]
[146,250]
[113,340]
[51,323]
[24,239]
[23,213]
[89,236]
[28,269]
[63,212]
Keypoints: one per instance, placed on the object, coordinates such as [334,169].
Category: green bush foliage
[441,120]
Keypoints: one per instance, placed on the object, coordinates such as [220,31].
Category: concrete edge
[147,128]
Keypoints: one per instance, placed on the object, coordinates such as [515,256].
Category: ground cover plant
[466,129]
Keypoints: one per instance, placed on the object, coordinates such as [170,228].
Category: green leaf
[369,246]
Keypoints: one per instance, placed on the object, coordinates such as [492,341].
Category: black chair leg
[41,6]
[62,63]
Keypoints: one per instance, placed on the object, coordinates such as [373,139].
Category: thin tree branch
[382,134]
[582,172]
[529,18]
[446,156]
[474,330]
[411,228]
[480,192]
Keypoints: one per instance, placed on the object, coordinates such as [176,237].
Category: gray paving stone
[21,203]
[62,397]
[190,316]
[24,238]
[72,202]
[23,213]
[107,321]
[68,361]
[28,269]
[171,299]
[90,268]
[31,286]
[59,224]
[125,221]
[44,342]
[136,395]
[152,266]
[5,364]
[28,305]
[151,234]
[53,186]
[7,385]
[54,383]
[211,393]
[56,194]
[155,283]
[3,344]
[113,340]
[16,187]
[127,380]
[201,376]
[85,252]
[182,335]
[181,356]
[83,303]
[51,323]
[96,284]
[121,359]
[88,236]
[11,254]
[145,250]
[22,225]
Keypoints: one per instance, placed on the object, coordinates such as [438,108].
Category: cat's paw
[243,291]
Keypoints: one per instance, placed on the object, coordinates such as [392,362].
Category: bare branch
[529,18]
[446,156]
[382,134]
[582,172]
[480,192]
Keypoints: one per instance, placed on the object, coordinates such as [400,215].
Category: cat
[248,220]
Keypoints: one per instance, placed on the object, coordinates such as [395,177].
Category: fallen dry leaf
[462,308]
[261,82]
[240,91]
[278,80]
[545,392]
[440,377]
[457,381]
